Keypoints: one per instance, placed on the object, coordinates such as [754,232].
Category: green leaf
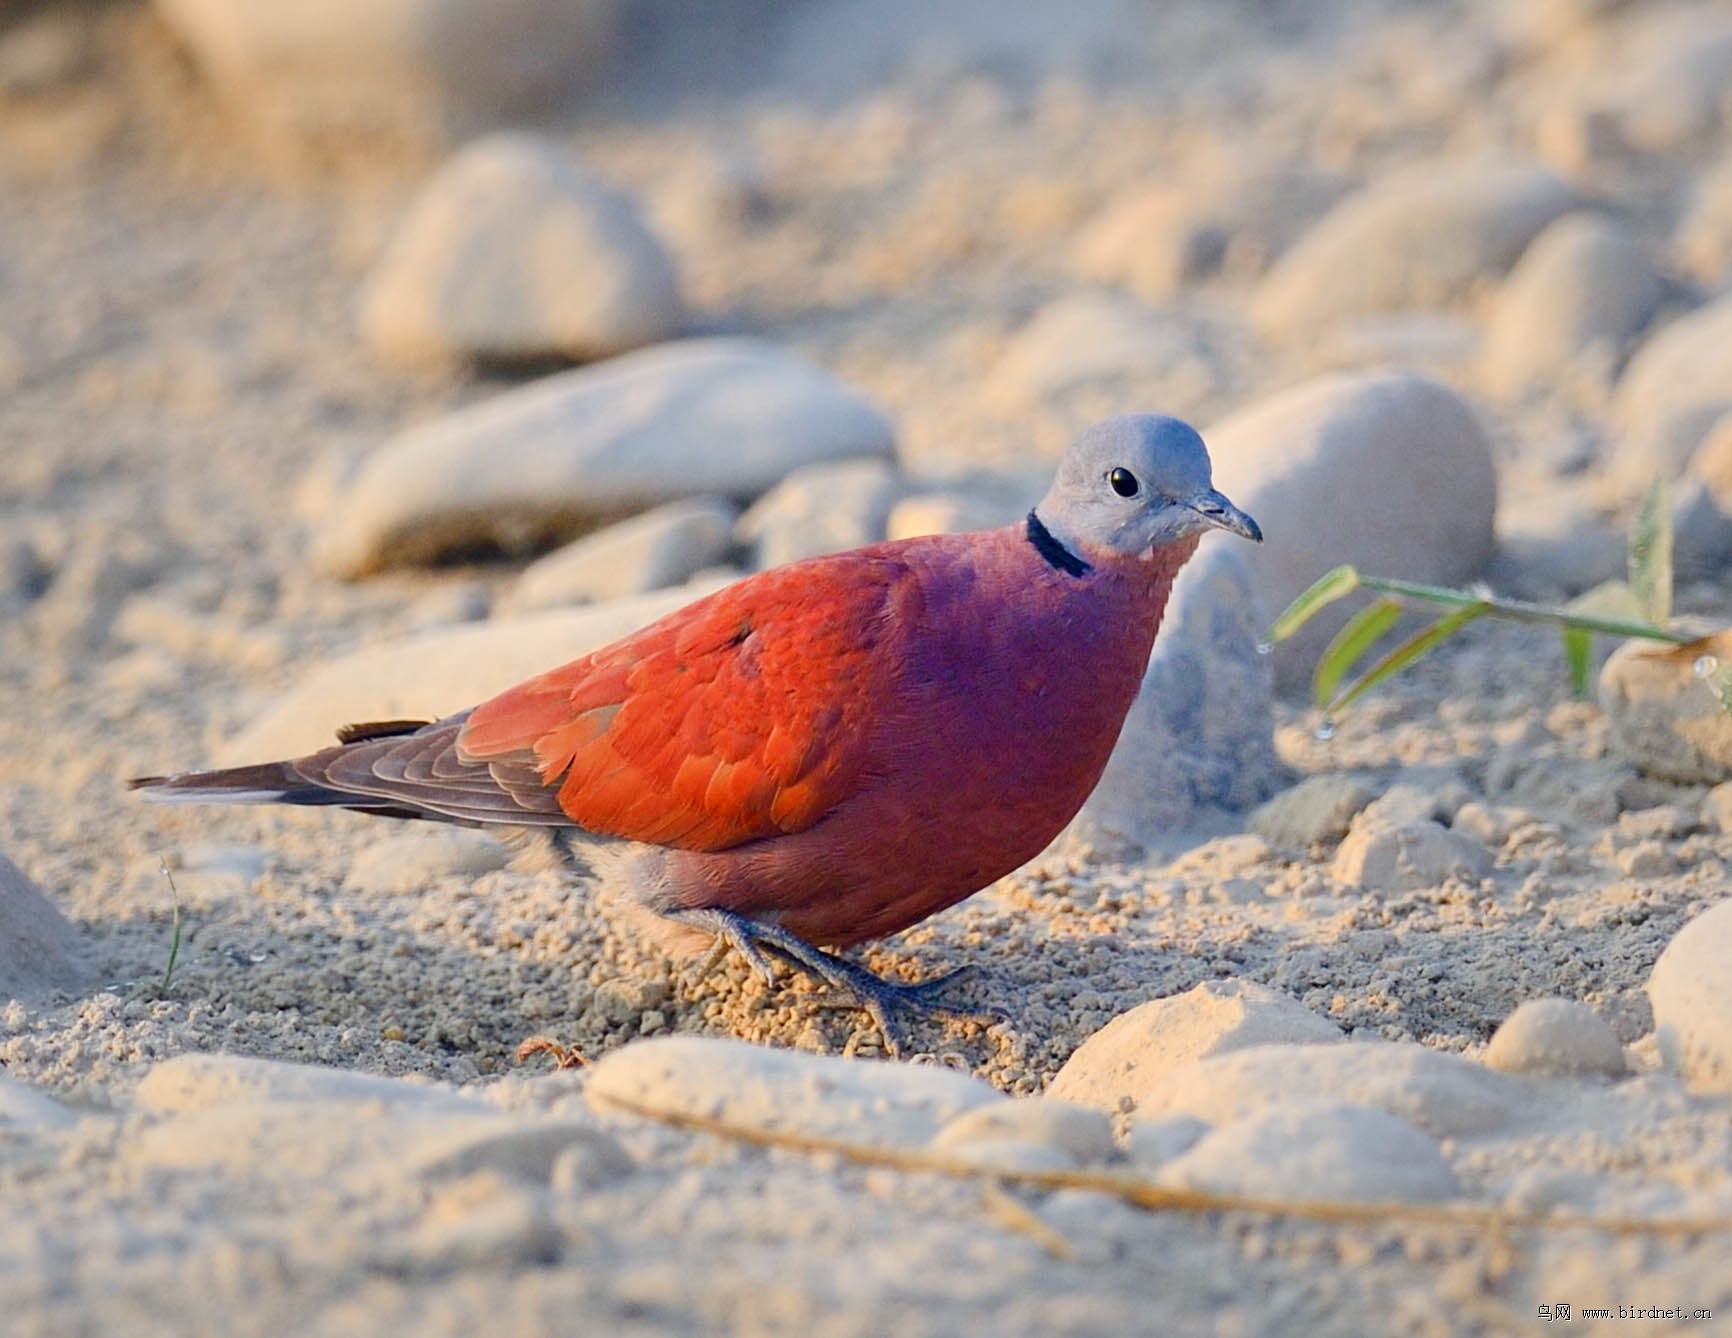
[1407,652]
[1355,638]
[1651,554]
[1328,588]
[1579,655]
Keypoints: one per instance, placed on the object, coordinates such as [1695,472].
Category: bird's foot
[886,1002]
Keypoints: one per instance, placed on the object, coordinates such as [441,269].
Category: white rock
[1672,76]
[1677,386]
[949,512]
[333,75]
[694,417]
[882,1104]
[1318,1152]
[1419,238]
[1082,1135]
[1704,237]
[1085,340]
[1555,1038]
[817,509]
[1692,999]
[416,859]
[1157,237]
[662,547]
[1156,1142]
[1317,809]
[196,1082]
[516,250]
[434,674]
[1586,287]
[1664,716]
[1389,471]
[39,948]
[25,1110]
[1115,1067]
[1382,857]
[1446,1096]
[1198,743]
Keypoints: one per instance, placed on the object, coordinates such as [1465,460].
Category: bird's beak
[1221,514]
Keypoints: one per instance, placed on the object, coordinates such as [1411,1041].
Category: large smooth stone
[556,457]
[1691,991]
[1665,716]
[1677,386]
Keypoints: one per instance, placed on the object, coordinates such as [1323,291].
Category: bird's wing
[741,716]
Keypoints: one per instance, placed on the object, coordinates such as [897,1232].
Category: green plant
[174,941]
[1637,607]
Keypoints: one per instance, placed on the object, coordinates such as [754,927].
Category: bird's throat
[1054,553]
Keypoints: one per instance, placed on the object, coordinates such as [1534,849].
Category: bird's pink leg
[882,1000]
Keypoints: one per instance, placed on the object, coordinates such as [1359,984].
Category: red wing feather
[741,716]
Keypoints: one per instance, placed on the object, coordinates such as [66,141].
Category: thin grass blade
[1328,588]
[1357,635]
[1650,561]
[1579,655]
[1407,652]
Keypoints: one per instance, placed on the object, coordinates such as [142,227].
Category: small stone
[40,951]
[1087,340]
[1389,471]
[415,860]
[1717,807]
[1487,825]
[1138,1048]
[626,999]
[1318,809]
[1318,1151]
[1156,1142]
[1677,386]
[1408,857]
[1418,238]
[1082,1135]
[949,513]
[873,1103]
[819,509]
[1664,716]
[663,547]
[1555,1038]
[1704,237]
[1691,993]
[409,75]
[516,250]
[1585,286]
[728,417]
[1646,859]
[1672,76]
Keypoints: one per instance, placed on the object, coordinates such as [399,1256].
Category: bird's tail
[266,783]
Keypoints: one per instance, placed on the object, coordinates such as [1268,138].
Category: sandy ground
[178,353]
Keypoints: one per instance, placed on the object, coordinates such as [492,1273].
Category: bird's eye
[1124,482]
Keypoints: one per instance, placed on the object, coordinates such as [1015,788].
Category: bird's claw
[884,1001]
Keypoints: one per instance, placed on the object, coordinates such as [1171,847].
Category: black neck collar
[1055,553]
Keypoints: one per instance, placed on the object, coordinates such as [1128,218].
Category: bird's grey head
[1132,484]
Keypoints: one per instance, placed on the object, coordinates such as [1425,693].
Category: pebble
[662,547]
[864,1102]
[1317,810]
[1446,1096]
[516,250]
[1677,386]
[345,76]
[40,952]
[1691,993]
[1585,288]
[949,512]
[25,1110]
[819,509]
[1114,1068]
[1555,1038]
[1389,471]
[1418,238]
[414,860]
[1199,743]
[1406,857]
[1717,807]
[1317,1151]
[1672,76]
[1087,340]
[1704,238]
[1081,1135]
[727,416]
[434,674]
[1154,1142]
[1159,237]
[1664,717]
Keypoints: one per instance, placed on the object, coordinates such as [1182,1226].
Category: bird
[829,751]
